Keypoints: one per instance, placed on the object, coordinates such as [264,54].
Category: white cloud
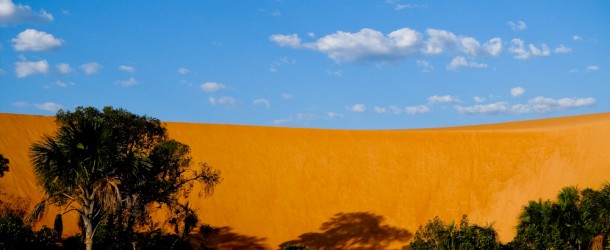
[544,105]
[592,68]
[535,51]
[535,105]
[562,49]
[292,40]
[479,99]
[522,52]
[62,84]
[441,40]
[1,72]
[358,108]
[91,68]
[287,96]
[226,101]
[127,83]
[15,14]
[493,46]
[519,25]
[278,63]
[443,99]
[368,45]
[20,104]
[262,102]
[577,38]
[211,86]
[420,109]
[64,68]
[333,115]
[303,117]
[183,71]
[517,91]
[25,68]
[34,40]
[380,110]
[425,66]
[492,108]
[49,106]
[126,68]
[460,61]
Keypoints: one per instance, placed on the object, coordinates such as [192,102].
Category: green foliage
[16,232]
[439,235]
[571,222]
[3,165]
[114,168]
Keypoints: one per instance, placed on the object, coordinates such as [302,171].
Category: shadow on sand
[223,238]
[362,230]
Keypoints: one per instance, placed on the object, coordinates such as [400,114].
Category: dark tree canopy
[113,162]
[440,235]
[3,165]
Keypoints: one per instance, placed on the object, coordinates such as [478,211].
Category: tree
[3,165]
[113,162]
[595,206]
[436,234]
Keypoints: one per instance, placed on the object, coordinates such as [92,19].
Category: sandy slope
[280,182]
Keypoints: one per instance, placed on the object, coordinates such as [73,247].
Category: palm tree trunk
[88,236]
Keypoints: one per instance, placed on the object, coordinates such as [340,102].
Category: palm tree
[81,167]
[568,218]
[595,206]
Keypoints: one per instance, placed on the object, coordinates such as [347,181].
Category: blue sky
[321,64]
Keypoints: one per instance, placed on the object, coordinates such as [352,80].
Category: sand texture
[279,183]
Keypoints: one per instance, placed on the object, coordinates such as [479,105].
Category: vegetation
[440,235]
[3,165]
[114,168]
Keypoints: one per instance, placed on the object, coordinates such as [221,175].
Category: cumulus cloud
[362,46]
[48,106]
[64,68]
[26,68]
[419,109]
[358,108]
[333,115]
[379,110]
[262,102]
[577,38]
[425,66]
[592,68]
[34,40]
[443,99]
[521,51]
[479,99]
[91,68]
[20,104]
[287,96]
[211,86]
[535,105]
[303,117]
[16,14]
[225,101]
[517,26]
[460,61]
[183,71]
[62,84]
[128,83]
[562,49]
[517,91]
[369,45]
[292,40]
[126,68]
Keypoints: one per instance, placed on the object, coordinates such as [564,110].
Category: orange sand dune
[282,182]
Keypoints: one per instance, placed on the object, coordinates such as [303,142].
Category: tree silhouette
[362,230]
